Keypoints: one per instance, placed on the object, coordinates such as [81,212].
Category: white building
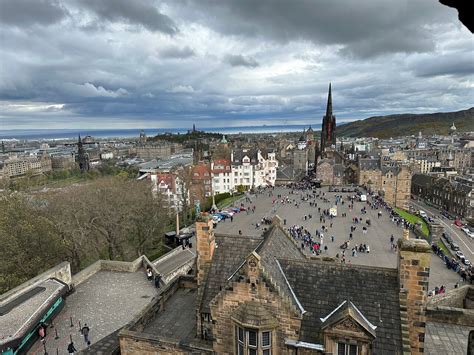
[253,168]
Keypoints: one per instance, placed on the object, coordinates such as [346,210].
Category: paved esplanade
[377,237]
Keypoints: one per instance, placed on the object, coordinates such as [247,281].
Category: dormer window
[252,341]
[346,349]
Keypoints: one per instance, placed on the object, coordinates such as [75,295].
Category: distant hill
[408,124]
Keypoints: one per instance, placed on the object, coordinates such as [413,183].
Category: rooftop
[442,338]
[178,320]
[19,312]
[106,302]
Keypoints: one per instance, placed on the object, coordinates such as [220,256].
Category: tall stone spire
[329,105]
[328,129]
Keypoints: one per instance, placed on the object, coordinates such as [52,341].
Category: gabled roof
[344,310]
[322,286]
[229,255]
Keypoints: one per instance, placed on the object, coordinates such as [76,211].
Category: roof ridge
[340,265]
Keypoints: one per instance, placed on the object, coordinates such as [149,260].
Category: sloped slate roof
[322,286]
[278,245]
[231,251]
[369,164]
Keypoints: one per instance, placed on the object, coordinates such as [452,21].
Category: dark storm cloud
[136,12]
[240,60]
[460,65]
[176,52]
[23,13]
[389,26]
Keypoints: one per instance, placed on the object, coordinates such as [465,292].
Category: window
[250,341]
[346,349]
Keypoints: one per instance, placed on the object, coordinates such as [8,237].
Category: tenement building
[456,195]
[391,181]
[262,295]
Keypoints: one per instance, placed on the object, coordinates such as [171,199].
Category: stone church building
[262,296]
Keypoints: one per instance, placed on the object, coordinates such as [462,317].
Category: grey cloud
[241,61]
[175,52]
[23,13]
[460,64]
[136,12]
[343,22]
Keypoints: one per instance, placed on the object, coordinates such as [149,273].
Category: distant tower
[142,139]
[328,129]
[452,133]
[194,127]
[82,158]
[3,147]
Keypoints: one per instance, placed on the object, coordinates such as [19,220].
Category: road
[465,243]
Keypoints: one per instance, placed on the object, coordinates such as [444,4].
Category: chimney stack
[205,241]
[414,259]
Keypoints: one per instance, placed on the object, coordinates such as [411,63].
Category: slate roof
[231,251]
[369,164]
[239,154]
[322,286]
[278,245]
[422,180]
[390,169]
[444,338]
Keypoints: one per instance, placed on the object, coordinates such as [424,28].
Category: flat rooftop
[106,302]
[178,320]
[20,311]
[442,338]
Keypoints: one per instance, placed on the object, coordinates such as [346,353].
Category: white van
[422,214]
[363,198]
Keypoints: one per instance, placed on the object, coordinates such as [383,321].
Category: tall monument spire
[329,105]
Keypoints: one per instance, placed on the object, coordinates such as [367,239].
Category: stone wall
[223,306]
[61,272]
[414,269]
[133,341]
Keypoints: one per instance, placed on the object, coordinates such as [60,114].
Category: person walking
[149,273]
[85,332]
[71,349]
[157,280]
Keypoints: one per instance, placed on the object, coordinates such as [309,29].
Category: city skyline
[146,64]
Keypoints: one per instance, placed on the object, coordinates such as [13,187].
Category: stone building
[393,181]
[262,295]
[62,161]
[201,182]
[21,165]
[157,150]
[452,195]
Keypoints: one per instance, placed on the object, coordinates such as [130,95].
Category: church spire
[329,105]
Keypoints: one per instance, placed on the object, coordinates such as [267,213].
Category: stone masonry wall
[228,301]
[414,269]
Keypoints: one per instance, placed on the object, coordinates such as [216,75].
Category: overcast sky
[151,64]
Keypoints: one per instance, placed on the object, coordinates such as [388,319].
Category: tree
[30,243]
[184,179]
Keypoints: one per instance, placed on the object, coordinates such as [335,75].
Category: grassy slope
[407,124]
[414,219]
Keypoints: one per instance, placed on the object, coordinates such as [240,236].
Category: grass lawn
[443,248]
[414,219]
[228,201]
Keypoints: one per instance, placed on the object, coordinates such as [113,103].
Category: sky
[219,63]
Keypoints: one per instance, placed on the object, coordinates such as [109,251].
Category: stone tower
[414,259]
[82,158]
[328,129]
[205,241]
